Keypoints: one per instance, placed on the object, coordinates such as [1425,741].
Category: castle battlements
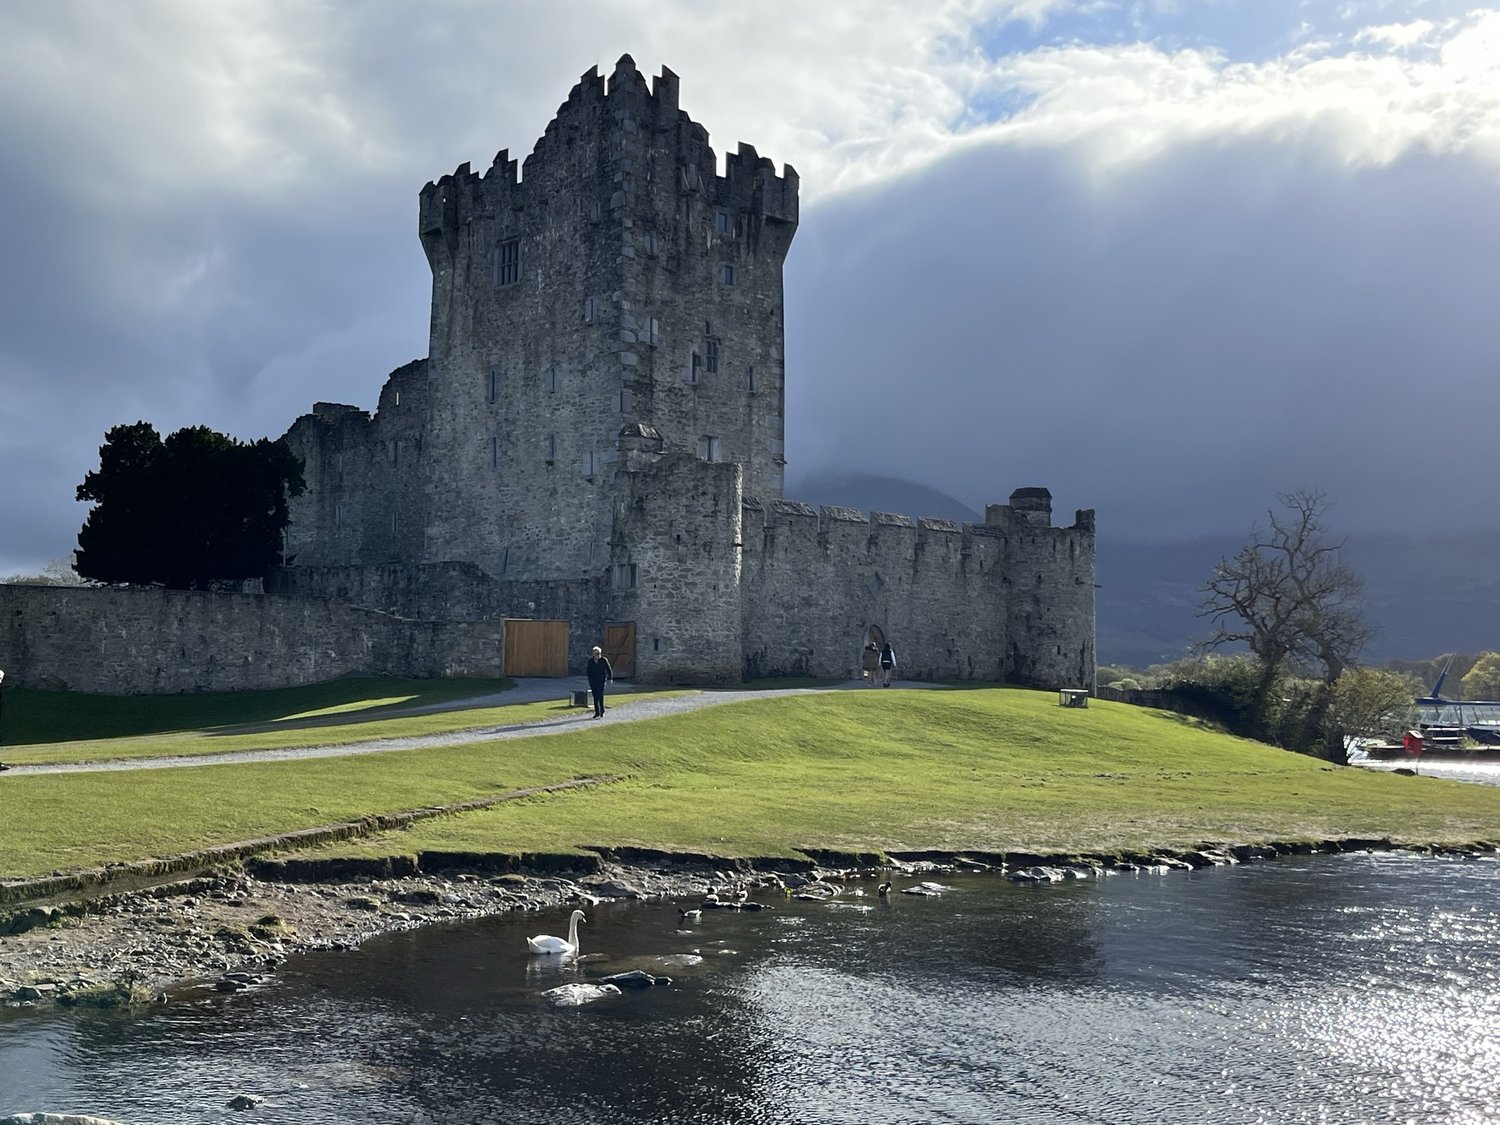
[623,103]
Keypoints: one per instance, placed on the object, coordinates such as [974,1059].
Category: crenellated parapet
[678,147]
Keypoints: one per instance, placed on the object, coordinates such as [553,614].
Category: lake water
[1360,988]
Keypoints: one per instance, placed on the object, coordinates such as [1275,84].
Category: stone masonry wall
[457,592]
[154,641]
[676,568]
[956,602]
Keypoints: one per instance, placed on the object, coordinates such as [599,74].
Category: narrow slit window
[551,448]
[711,356]
[590,310]
[492,385]
[508,262]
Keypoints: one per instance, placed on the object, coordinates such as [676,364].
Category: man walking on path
[887,663]
[600,673]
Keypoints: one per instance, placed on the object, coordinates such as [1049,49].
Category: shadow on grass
[40,717]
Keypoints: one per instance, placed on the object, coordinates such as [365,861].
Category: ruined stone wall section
[676,570]
[953,600]
[365,500]
[154,641]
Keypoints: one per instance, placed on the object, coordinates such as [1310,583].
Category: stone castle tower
[617,286]
[596,436]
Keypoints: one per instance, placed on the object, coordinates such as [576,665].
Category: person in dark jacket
[887,663]
[600,673]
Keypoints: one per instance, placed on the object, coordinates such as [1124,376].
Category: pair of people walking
[879,663]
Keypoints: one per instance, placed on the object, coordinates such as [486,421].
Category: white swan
[546,943]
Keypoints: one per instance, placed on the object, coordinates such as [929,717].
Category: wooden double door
[540,648]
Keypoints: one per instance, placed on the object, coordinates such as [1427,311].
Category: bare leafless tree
[1288,595]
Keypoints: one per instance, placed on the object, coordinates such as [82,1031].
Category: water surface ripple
[1333,989]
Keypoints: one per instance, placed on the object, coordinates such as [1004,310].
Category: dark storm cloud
[220,313]
[1171,347]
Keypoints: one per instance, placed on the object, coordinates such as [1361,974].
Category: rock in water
[635,978]
[577,995]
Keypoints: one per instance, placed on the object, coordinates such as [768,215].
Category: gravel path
[621,708]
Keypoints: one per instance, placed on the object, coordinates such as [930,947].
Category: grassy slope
[987,769]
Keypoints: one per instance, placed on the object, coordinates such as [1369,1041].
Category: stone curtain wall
[956,602]
[153,641]
[457,592]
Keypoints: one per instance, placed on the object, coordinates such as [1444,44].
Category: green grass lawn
[987,769]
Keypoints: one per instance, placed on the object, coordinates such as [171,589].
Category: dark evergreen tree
[184,513]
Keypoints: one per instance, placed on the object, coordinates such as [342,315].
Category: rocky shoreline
[228,929]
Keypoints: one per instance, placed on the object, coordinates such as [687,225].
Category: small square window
[723,222]
[650,241]
[711,356]
[708,448]
[590,464]
[726,274]
[623,576]
[508,262]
